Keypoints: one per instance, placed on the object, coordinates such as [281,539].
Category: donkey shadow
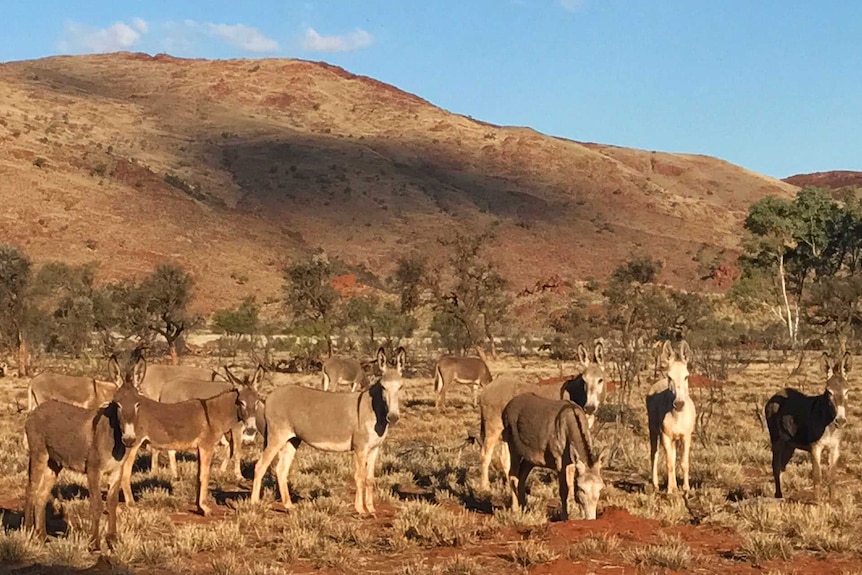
[55,523]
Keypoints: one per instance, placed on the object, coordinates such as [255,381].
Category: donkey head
[390,382]
[589,484]
[128,370]
[675,365]
[836,384]
[593,374]
[247,398]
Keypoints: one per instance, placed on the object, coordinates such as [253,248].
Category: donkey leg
[514,484]
[205,455]
[670,454]
[523,471]
[505,457]
[37,469]
[269,453]
[360,458]
[94,480]
[563,480]
[154,459]
[817,472]
[282,468]
[475,394]
[41,502]
[653,456]
[686,449]
[488,443]
[781,455]
[369,479]
[113,502]
[172,460]
[126,473]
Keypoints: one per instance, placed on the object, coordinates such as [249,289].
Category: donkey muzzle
[678,405]
[128,440]
[392,418]
[840,422]
[589,409]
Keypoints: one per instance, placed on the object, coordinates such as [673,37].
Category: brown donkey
[799,421]
[454,369]
[196,424]
[92,441]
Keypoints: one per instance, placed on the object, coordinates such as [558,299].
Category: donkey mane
[588,448]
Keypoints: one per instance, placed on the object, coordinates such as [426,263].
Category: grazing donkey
[91,441]
[356,421]
[553,434]
[671,414]
[811,423]
[176,391]
[586,390]
[453,369]
[4,368]
[196,424]
[337,370]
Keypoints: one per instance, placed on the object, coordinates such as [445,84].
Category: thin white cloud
[81,38]
[243,37]
[356,40]
[571,5]
[140,25]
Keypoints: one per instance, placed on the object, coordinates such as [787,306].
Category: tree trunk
[172,351]
[22,355]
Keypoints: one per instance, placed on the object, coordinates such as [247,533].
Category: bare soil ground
[433,519]
[233,168]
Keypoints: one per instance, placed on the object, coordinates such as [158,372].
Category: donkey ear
[666,353]
[139,372]
[846,363]
[599,354]
[602,459]
[583,357]
[826,364]
[231,378]
[580,466]
[684,354]
[114,369]
[400,358]
[255,378]
[381,358]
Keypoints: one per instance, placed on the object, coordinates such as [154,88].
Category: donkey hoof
[204,510]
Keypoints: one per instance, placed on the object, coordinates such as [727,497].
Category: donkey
[671,414]
[811,423]
[177,391]
[553,434]
[586,390]
[196,424]
[84,392]
[453,369]
[356,421]
[91,441]
[337,370]
[159,376]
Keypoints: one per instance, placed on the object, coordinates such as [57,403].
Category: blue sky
[772,85]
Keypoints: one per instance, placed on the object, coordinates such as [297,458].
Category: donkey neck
[579,435]
[823,408]
[378,407]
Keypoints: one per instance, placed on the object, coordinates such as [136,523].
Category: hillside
[836,179]
[232,168]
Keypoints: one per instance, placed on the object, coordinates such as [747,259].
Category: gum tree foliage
[67,296]
[376,319]
[311,299]
[168,293]
[409,280]
[238,322]
[15,312]
[475,303]
[801,258]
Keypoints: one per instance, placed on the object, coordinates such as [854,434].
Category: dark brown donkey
[196,424]
[91,441]
[811,423]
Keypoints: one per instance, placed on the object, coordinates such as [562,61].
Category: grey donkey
[453,369]
[586,390]
[357,421]
[553,434]
[811,423]
[336,370]
[92,441]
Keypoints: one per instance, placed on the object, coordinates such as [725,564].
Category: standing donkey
[811,423]
[671,414]
[356,421]
[453,369]
[92,441]
[195,424]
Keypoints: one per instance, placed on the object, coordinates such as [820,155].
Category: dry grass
[433,519]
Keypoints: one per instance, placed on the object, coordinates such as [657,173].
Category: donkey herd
[97,427]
